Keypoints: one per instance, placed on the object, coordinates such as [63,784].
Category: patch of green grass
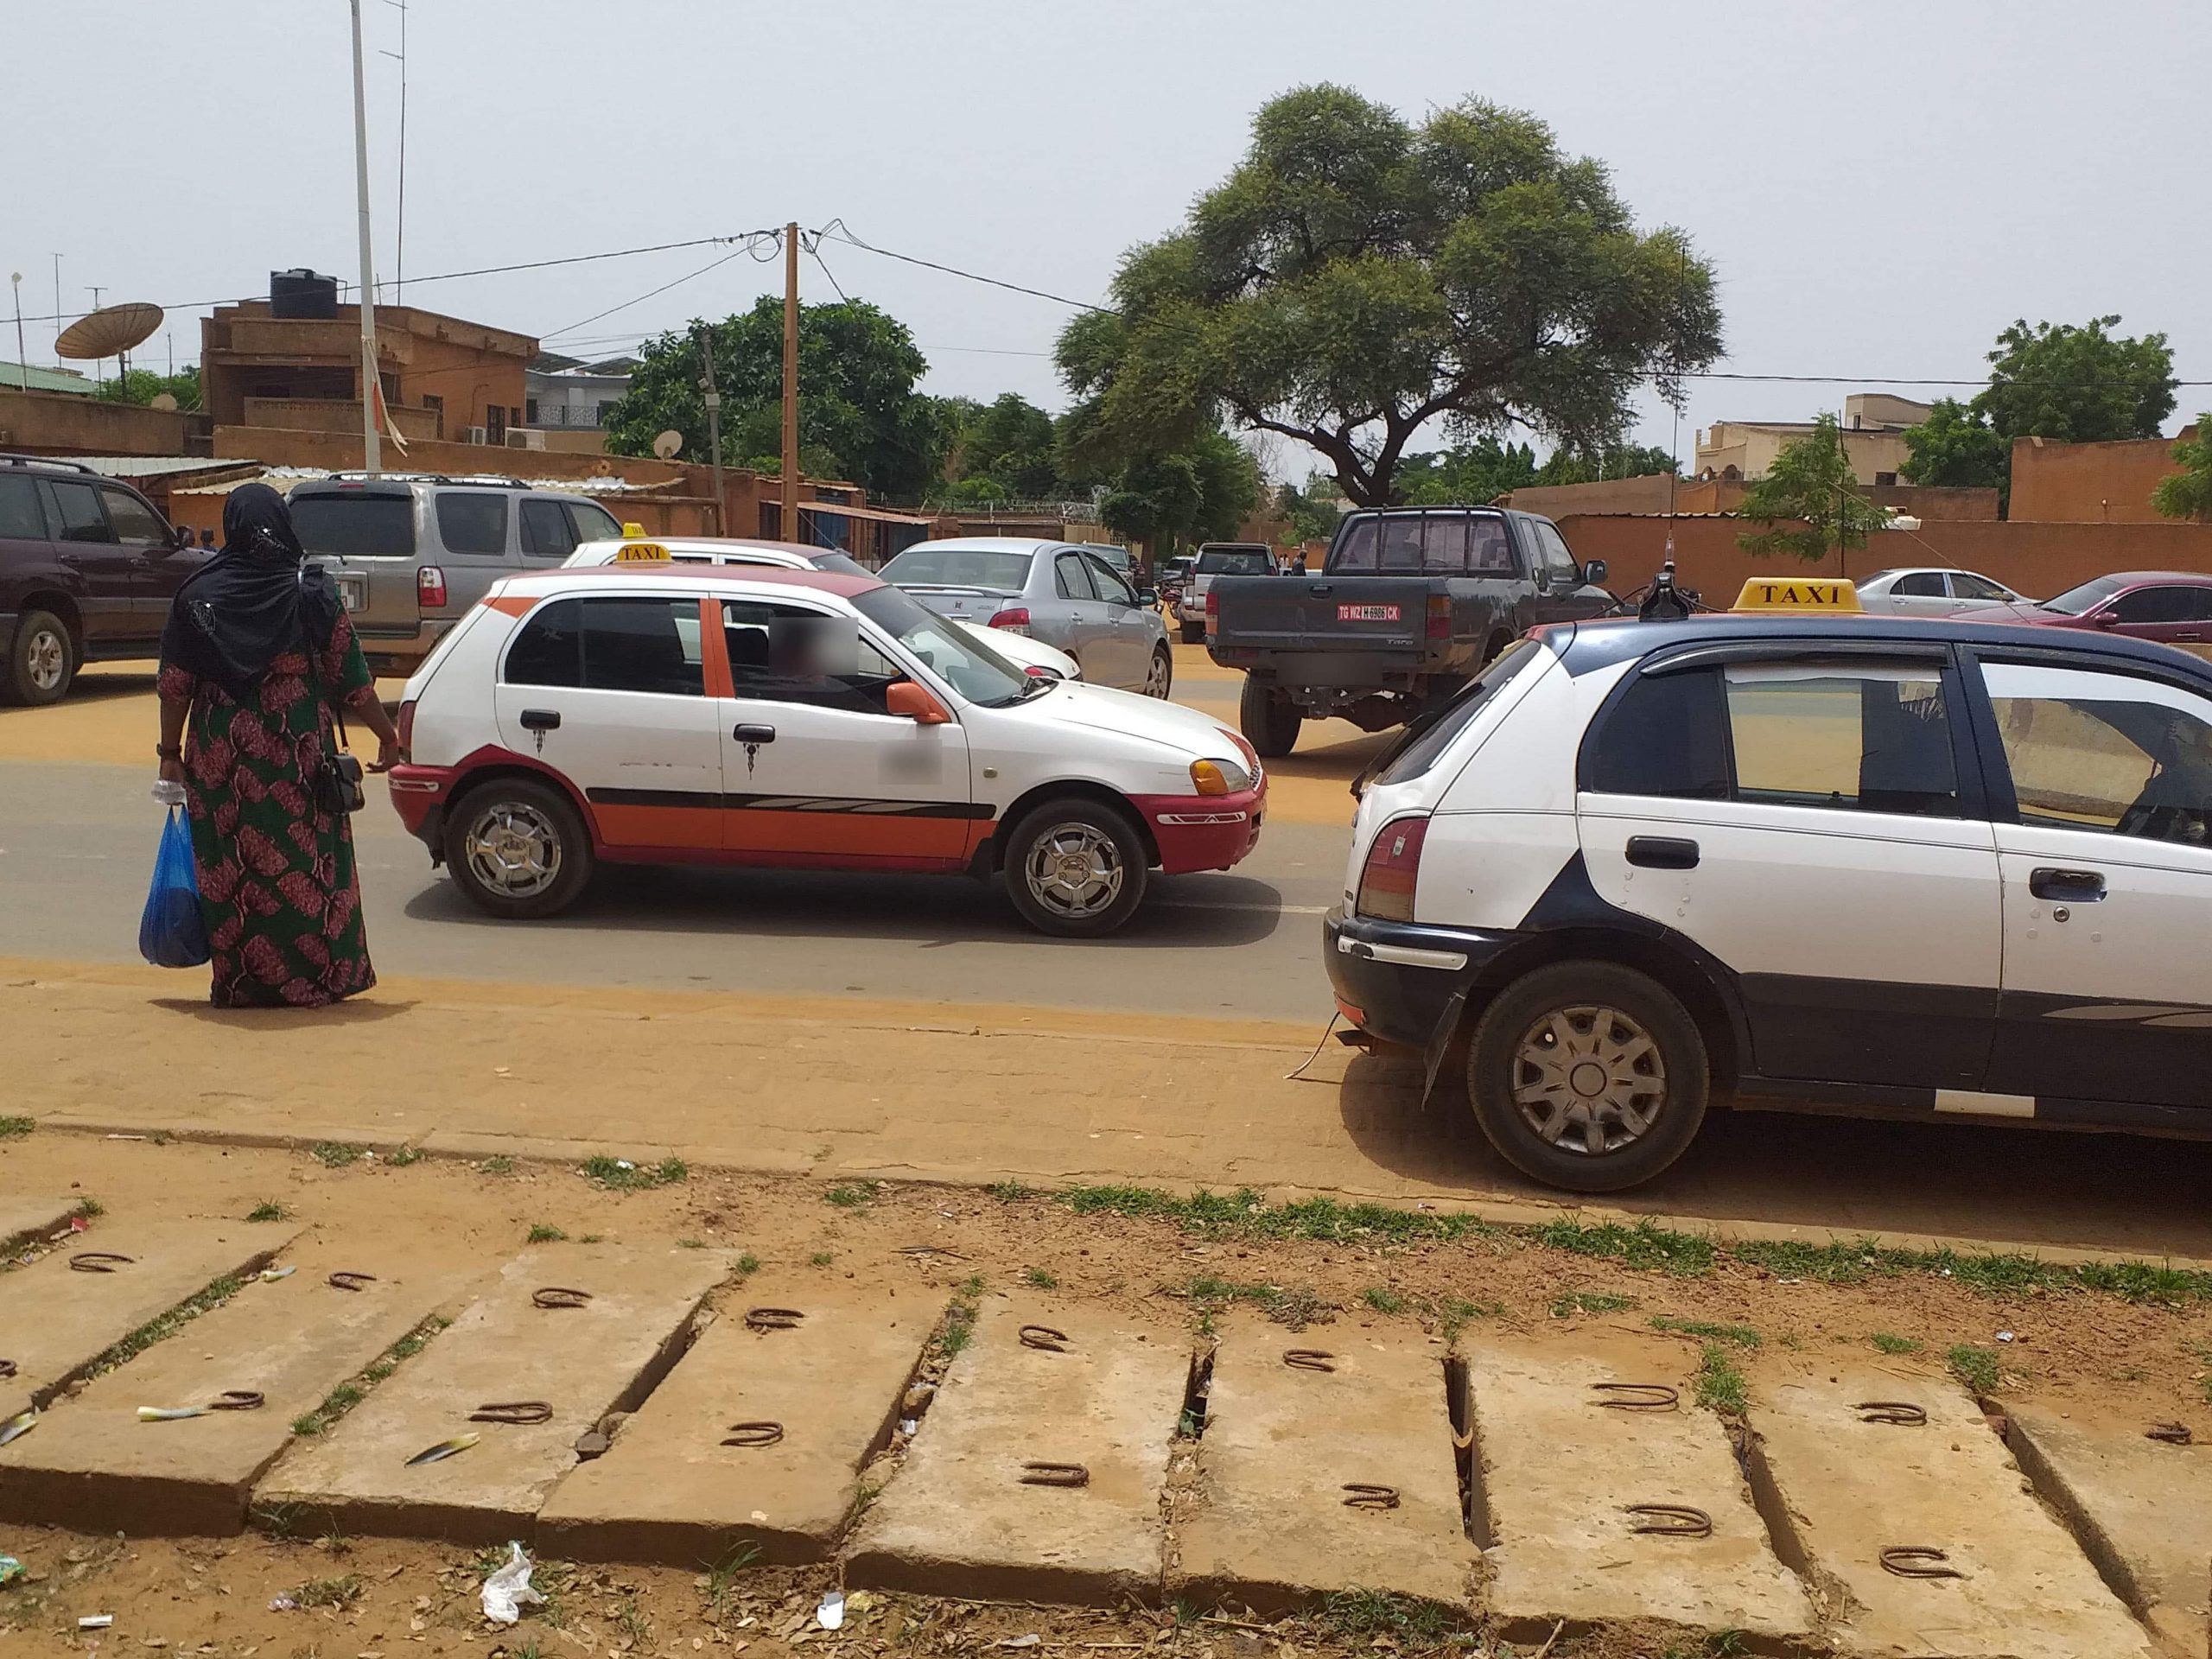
[14,1128]
[1991,1274]
[1589,1301]
[404,1156]
[267,1210]
[1364,1615]
[960,1317]
[161,1329]
[1975,1367]
[1742,1336]
[851,1195]
[1295,1306]
[1038,1278]
[91,1209]
[330,1593]
[1384,1299]
[634,1623]
[1010,1192]
[1720,1386]
[348,1395]
[749,1263]
[821,1258]
[1644,1245]
[1245,1214]
[1888,1343]
[592,1238]
[544,1232]
[691,1243]
[721,1588]
[336,1155]
[1453,1314]
[497,1164]
[620,1175]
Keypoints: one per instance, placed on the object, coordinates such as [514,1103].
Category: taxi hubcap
[48,653]
[1588,1079]
[1074,870]
[514,850]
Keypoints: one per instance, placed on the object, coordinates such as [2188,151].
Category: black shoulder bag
[335,786]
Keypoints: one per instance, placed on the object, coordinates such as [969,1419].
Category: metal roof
[156,466]
[31,378]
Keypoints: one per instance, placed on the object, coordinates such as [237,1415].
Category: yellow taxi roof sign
[1802,595]
[641,553]
[632,532]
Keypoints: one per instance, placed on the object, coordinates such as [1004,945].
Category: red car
[2171,607]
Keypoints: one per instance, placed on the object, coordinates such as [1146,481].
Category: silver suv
[413,551]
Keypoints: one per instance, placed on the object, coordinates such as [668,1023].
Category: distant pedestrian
[208,538]
[256,657]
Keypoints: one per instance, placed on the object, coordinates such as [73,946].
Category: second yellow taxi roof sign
[641,553]
[1799,594]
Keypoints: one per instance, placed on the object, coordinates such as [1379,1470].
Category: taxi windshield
[970,667]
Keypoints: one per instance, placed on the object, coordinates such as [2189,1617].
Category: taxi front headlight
[1219,777]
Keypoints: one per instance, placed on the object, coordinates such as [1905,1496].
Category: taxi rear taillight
[430,588]
[1392,868]
[1014,618]
[407,723]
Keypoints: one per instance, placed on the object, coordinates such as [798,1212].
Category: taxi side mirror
[915,702]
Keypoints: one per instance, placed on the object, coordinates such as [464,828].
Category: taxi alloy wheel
[1160,678]
[1076,867]
[517,848]
[1588,1076]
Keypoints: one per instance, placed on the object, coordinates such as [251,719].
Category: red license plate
[1367,612]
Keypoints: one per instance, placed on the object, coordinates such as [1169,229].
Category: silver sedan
[1066,595]
[1932,590]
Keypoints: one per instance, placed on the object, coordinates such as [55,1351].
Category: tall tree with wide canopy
[1357,276]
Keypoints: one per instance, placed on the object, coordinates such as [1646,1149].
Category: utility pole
[22,362]
[790,524]
[57,310]
[706,338]
[399,251]
[100,374]
[371,450]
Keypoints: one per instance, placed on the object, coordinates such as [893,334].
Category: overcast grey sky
[1883,184]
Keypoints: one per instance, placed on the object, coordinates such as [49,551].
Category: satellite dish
[110,330]
[667,444]
[163,402]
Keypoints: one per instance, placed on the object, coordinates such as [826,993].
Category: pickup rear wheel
[1588,1076]
[1076,867]
[1268,719]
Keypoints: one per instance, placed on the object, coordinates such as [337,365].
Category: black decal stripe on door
[978,812]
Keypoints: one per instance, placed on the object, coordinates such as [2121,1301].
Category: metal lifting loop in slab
[1917,1561]
[344,1278]
[512,1411]
[1638,1396]
[763,1433]
[97,1262]
[7,1369]
[2171,1433]
[552,1296]
[1044,1338]
[772,1318]
[237,1399]
[1365,1495]
[1671,1520]
[1055,1474]
[1902,1412]
[1308,1359]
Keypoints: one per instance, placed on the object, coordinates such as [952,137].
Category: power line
[751,242]
[843,234]
[814,248]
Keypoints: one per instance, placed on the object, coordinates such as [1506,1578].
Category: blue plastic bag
[172,933]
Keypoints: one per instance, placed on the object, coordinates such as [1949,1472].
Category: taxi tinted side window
[550,650]
[1668,736]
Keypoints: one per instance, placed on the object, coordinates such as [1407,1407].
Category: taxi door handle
[1662,853]
[539,720]
[2066,887]
[753,734]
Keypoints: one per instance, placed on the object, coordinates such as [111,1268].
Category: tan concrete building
[2056,483]
[443,377]
[1873,426]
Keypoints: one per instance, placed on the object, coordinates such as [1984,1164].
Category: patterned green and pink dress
[276,880]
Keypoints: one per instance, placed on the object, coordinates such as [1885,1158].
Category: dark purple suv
[88,569]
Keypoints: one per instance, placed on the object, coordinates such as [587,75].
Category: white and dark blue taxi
[1874,865]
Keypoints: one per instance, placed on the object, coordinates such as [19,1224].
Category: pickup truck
[1410,604]
[1217,559]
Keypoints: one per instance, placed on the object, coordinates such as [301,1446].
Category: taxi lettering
[1799,594]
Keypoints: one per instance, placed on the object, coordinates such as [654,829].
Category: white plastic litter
[509,1588]
[2004,1336]
[830,1615]
[1029,1641]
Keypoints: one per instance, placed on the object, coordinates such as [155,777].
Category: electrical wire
[749,246]
[843,234]
[814,251]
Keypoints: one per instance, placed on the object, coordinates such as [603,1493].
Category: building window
[529,411]
[605,408]
[1885,480]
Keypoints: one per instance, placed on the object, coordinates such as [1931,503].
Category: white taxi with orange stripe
[650,713]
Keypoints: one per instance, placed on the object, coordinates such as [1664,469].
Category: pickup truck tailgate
[1321,614]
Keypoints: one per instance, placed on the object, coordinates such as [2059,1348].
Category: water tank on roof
[301,294]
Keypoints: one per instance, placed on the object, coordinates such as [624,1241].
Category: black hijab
[253,601]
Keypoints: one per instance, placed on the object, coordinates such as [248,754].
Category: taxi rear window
[1424,743]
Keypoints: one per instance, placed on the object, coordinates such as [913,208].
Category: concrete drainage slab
[1326,1464]
[1869,1466]
[23,1218]
[757,1437]
[2142,1508]
[566,1334]
[71,1306]
[1037,1475]
[267,1356]
[1608,1495]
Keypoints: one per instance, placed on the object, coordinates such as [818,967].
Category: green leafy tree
[1956,447]
[1200,493]
[1310,509]
[142,386]
[1012,442]
[1356,276]
[1811,481]
[2187,493]
[1474,473]
[1615,461]
[859,415]
[2080,386]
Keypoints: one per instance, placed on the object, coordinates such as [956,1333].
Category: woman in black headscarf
[256,658]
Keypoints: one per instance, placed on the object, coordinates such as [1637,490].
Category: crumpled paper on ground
[509,1587]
